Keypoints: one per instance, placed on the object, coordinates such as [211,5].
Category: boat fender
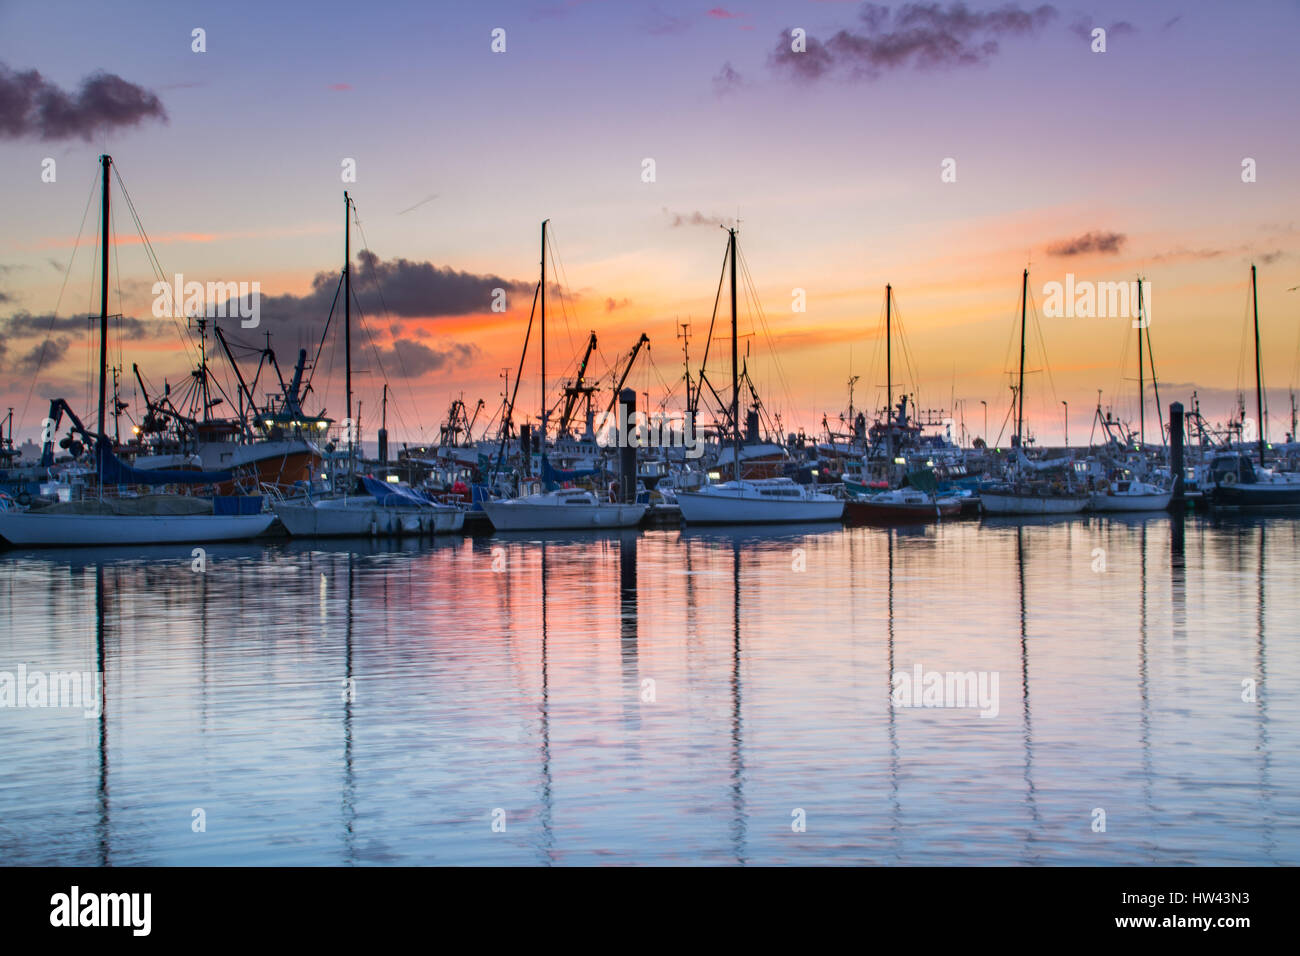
[1229,479]
[613,491]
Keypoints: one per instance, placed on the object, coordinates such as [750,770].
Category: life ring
[1229,479]
[24,499]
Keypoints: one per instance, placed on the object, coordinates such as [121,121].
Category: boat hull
[1250,496]
[868,512]
[523,516]
[702,508]
[1155,502]
[998,503]
[35,529]
[304,519]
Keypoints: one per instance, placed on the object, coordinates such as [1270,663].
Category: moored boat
[902,506]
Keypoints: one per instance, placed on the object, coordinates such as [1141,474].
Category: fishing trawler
[114,518]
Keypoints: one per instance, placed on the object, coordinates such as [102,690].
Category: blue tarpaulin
[391,495]
[113,471]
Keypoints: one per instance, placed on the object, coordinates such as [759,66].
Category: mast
[1142,395]
[1259,387]
[106,161]
[735,380]
[542,446]
[889,371]
[1020,391]
[347,313]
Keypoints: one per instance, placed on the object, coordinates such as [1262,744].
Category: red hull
[864,512]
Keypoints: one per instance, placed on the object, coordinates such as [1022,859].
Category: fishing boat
[564,508]
[757,501]
[130,519]
[381,508]
[901,506]
[1029,491]
[1236,483]
[1130,495]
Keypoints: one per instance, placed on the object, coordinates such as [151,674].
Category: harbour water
[665,697]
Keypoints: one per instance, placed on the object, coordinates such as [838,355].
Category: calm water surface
[665,697]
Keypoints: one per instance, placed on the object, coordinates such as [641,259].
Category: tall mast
[1020,390]
[347,311]
[106,161]
[735,378]
[1142,395]
[1259,387]
[889,370]
[543,294]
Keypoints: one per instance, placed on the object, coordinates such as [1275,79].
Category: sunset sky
[1105,165]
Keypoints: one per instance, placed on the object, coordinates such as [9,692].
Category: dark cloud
[1083,27]
[25,325]
[32,106]
[1269,258]
[695,218]
[1103,242]
[40,356]
[612,305]
[406,358]
[1169,23]
[727,80]
[916,35]
[409,290]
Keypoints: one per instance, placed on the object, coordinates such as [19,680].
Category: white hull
[331,519]
[1014,504]
[1153,502]
[524,516]
[705,508]
[35,528]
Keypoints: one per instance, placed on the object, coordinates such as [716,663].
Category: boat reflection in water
[708,695]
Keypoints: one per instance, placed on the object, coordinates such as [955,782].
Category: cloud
[340,87]
[722,13]
[1170,22]
[920,36]
[1102,242]
[612,304]
[727,80]
[695,218]
[40,356]
[394,288]
[1083,27]
[406,358]
[32,106]
[23,325]
[1268,258]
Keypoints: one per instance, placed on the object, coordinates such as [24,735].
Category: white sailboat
[1022,496]
[564,508]
[760,501]
[149,519]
